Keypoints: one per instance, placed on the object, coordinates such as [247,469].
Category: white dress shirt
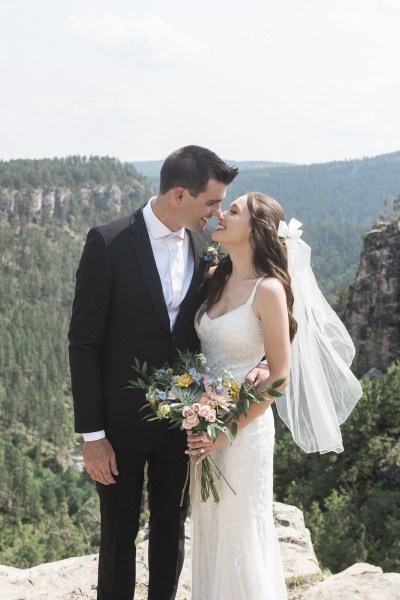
[174,261]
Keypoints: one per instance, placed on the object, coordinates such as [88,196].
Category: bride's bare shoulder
[270,289]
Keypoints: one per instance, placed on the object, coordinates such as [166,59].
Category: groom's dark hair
[191,167]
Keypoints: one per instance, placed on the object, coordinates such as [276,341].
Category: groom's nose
[216,210]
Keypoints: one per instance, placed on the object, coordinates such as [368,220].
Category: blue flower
[208,257]
[220,389]
[162,396]
[192,372]
[181,428]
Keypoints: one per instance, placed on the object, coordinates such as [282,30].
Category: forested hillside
[46,512]
[336,202]
[351,501]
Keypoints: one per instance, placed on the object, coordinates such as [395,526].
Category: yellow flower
[185,380]
[164,409]
[234,391]
[152,399]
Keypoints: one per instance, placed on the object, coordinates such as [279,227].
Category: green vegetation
[351,501]
[336,202]
[46,513]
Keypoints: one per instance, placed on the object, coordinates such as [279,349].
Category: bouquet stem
[204,481]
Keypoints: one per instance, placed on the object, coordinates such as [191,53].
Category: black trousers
[120,511]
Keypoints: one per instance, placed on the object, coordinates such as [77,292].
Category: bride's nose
[222,216]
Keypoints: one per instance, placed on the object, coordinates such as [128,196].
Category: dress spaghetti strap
[253,293]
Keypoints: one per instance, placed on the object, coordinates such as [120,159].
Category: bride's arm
[271,308]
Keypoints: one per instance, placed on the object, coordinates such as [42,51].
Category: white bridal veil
[322,390]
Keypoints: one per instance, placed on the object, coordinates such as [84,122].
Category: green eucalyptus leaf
[234,428]
[278,383]
[275,393]
[211,430]
[228,434]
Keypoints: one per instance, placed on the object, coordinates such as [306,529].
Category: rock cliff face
[372,313]
[55,199]
[75,578]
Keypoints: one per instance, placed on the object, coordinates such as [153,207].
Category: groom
[137,291]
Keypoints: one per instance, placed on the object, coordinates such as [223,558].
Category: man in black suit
[137,291]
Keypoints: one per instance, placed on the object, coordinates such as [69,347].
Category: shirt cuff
[263,362]
[94,435]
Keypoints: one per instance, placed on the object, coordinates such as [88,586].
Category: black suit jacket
[119,314]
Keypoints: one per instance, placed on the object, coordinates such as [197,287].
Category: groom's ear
[179,193]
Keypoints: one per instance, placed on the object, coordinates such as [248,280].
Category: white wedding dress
[235,550]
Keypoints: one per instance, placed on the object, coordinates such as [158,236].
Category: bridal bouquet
[189,398]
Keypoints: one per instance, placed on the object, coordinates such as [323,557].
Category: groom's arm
[87,331]
[86,335]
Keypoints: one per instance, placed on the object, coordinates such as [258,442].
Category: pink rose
[204,378]
[171,395]
[188,412]
[197,407]
[211,416]
[204,411]
[215,261]
[190,422]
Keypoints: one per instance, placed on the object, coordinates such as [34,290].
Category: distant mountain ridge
[151,168]
[336,202]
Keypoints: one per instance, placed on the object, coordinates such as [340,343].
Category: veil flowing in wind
[322,390]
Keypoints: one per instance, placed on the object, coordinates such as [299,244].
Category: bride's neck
[242,266]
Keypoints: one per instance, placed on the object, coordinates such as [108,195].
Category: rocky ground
[75,578]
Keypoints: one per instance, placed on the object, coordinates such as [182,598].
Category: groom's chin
[200,226]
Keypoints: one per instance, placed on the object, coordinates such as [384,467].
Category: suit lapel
[141,246]
[197,243]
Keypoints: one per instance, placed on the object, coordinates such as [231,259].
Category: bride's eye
[233,211]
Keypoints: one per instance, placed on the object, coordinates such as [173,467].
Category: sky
[282,80]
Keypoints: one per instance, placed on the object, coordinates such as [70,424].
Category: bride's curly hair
[269,255]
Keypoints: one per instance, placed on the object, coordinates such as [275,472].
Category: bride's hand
[197,442]
[258,377]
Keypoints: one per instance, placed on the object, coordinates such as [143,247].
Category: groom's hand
[258,377]
[100,461]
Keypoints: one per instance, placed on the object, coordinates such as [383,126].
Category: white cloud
[353,17]
[125,100]
[149,40]
[392,6]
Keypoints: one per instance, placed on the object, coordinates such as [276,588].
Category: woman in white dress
[247,315]
[255,308]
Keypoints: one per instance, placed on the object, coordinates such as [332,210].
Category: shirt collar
[156,228]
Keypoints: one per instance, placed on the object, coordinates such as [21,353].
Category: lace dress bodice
[232,341]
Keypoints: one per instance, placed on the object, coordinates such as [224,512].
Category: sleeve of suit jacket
[87,331]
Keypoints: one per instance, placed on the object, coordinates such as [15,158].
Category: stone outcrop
[297,551]
[372,314]
[76,578]
[359,582]
[54,199]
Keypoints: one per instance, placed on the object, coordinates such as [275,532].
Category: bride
[256,303]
